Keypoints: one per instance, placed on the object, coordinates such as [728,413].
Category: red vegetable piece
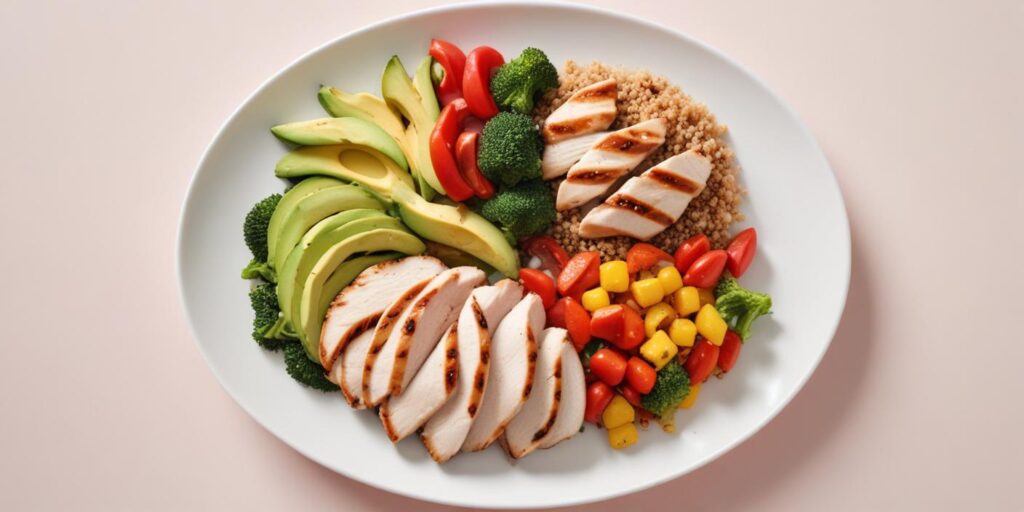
[481,63]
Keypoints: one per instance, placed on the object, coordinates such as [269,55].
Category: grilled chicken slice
[381,333]
[358,307]
[560,156]
[590,109]
[418,330]
[649,203]
[573,399]
[513,356]
[347,371]
[610,158]
[525,432]
[445,431]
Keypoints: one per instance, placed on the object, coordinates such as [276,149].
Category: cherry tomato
[729,352]
[631,395]
[442,145]
[640,375]
[476,81]
[608,365]
[619,324]
[632,329]
[705,272]
[451,58]
[552,256]
[690,250]
[538,282]
[465,153]
[701,361]
[581,273]
[570,315]
[741,251]
[598,396]
[643,256]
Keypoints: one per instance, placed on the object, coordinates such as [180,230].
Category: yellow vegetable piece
[621,437]
[615,276]
[647,292]
[707,296]
[670,279]
[686,300]
[691,397]
[710,324]
[683,332]
[595,299]
[658,317]
[618,413]
[659,350]
[645,274]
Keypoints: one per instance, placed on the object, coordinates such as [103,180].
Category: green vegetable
[519,81]
[510,148]
[588,352]
[524,210]
[254,231]
[670,388]
[304,370]
[268,327]
[738,306]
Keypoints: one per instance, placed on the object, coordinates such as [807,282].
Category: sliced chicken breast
[427,392]
[381,333]
[610,158]
[533,422]
[418,330]
[513,358]
[560,156]
[347,371]
[445,431]
[649,203]
[573,399]
[358,307]
[590,109]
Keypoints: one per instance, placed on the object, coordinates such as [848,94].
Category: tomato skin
[476,81]
[631,395]
[606,323]
[706,271]
[538,282]
[729,352]
[741,251]
[552,256]
[465,153]
[442,143]
[690,250]
[599,395]
[609,366]
[577,322]
[632,329]
[453,61]
[643,256]
[580,274]
[701,361]
[640,375]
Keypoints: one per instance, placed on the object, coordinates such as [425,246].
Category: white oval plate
[794,201]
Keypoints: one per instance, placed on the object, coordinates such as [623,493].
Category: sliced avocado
[399,93]
[425,87]
[341,130]
[316,207]
[364,106]
[310,319]
[453,257]
[344,275]
[346,162]
[288,202]
[458,227]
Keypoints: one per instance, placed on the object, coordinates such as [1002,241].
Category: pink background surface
[106,403]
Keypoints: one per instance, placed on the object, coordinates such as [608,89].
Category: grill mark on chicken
[639,207]
[608,91]
[354,331]
[674,181]
[481,320]
[634,142]
[531,361]
[594,176]
[383,330]
[480,379]
[555,404]
[572,127]
[408,331]
[451,372]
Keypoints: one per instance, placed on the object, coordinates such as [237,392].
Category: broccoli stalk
[268,326]
[670,388]
[519,81]
[305,370]
[738,306]
[254,231]
[524,210]
[510,148]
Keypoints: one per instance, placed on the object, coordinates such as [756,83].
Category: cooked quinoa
[644,96]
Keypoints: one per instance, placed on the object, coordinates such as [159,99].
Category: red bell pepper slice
[552,256]
[451,58]
[465,153]
[481,63]
[442,142]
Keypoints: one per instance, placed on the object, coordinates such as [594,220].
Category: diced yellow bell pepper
[659,350]
[621,437]
[710,324]
[658,317]
[615,276]
[595,299]
[691,397]
[707,296]
[617,413]
[686,300]
[670,279]
[647,292]
[683,332]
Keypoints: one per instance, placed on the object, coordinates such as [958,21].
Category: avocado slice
[341,130]
[458,227]
[316,207]
[424,85]
[287,204]
[346,162]
[453,257]
[364,106]
[399,93]
[310,318]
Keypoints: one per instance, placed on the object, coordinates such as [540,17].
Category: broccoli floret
[524,210]
[268,327]
[304,369]
[670,388]
[519,81]
[254,231]
[738,306]
[510,148]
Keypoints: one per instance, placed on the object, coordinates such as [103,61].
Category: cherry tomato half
[570,315]
[640,375]
[741,251]
[631,395]
[632,329]
[729,352]
[643,256]
[690,250]
[701,361]
[553,258]
[599,395]
[476,81]
[538,282]
[581,273]
[451,58]
[608,365]
[705,272]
